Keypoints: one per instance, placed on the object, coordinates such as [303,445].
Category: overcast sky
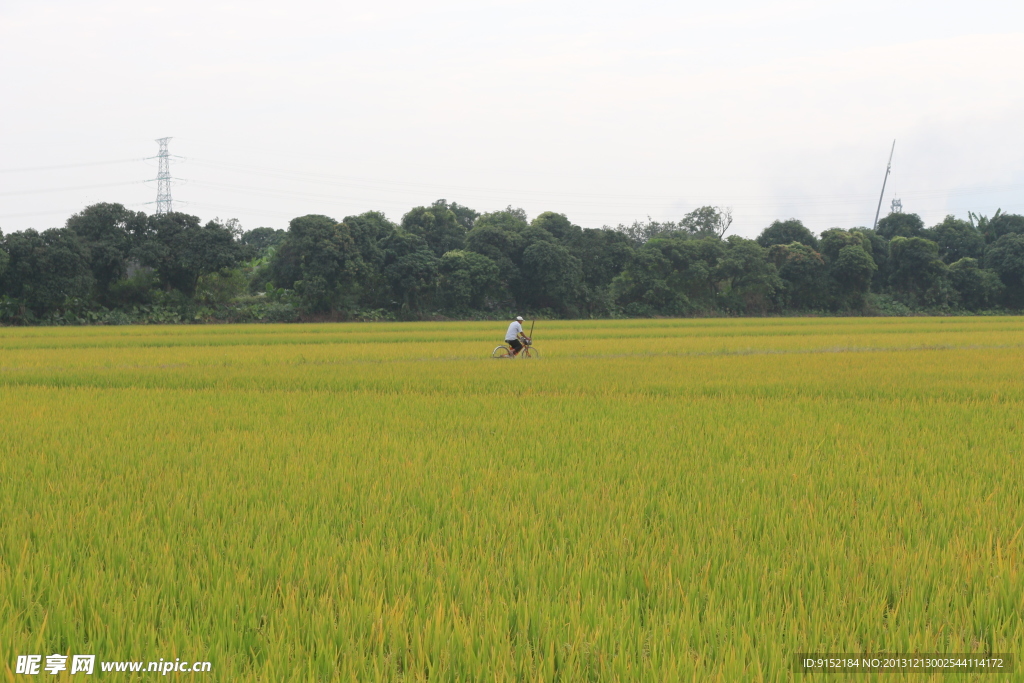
[605,111]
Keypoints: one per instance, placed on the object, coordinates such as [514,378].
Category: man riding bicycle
[514,334]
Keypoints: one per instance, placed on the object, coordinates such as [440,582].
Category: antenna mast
[888,167]
[163,179]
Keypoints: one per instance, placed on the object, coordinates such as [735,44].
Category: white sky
[605,111]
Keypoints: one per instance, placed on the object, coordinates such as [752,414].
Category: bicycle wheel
[500,352]
[530,352]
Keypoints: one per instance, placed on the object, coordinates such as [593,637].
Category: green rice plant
[654,500]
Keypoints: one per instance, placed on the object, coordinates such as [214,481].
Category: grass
[654,500]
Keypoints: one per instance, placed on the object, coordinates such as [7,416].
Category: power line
[68,189]
[395,195]
[605,202]
[54,168]
[50,213]
[390,187]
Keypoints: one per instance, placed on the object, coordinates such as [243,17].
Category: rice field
[653,500]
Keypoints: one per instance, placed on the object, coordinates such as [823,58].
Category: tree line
[109,264]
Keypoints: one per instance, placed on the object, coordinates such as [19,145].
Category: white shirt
[514,330]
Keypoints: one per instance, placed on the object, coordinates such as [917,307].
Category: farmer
[515,332]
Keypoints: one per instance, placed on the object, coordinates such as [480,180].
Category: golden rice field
[654,500]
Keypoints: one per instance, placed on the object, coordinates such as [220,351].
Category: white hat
[519,318]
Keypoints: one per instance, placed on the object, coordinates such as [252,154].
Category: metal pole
[888,167]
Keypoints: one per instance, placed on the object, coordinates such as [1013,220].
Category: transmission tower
[897,206]
[163,179]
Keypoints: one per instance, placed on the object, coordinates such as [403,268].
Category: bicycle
[529,351]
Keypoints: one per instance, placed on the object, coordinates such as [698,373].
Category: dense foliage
[110,264]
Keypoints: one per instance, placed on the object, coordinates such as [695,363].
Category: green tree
[495,242]
[747,281]
[978,288]
[437,225]
[672,275]
[558,226]
[499,237]
[1006,257]
[880,255]
[368,231]
[411,270]
[707,221]
[47,272]
[5,259]
[256,242]
[509,219]
[604,254]
[181,250]
[286,265]
[553,278]
[1006,224]
[851,265]
[833,240]
[916,273]
[901,225]
[467,281]
[108,232]
[465,215]
[852,271]
[957,240]
[320,261]
[645,286]
[787,232]
[803,273]
[1000,224]
[640,233]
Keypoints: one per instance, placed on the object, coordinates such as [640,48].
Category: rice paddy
[654,500]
